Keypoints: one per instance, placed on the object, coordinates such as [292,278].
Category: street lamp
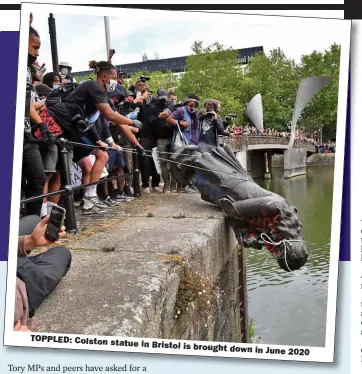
[108,34]
[53,42]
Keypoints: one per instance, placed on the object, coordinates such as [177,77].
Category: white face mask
[111,85]
[56,86]
[64,71]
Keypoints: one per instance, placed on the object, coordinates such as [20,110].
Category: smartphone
[138,95]
[55,222]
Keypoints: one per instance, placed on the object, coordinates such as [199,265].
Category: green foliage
[274,77]
[214,72]
[80,79]
[322,111]
[158,80]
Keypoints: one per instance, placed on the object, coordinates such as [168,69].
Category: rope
[195,167]
[268,240]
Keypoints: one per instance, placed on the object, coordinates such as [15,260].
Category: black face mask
[31,59]
[162,103]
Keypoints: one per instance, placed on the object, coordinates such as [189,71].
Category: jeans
[164,145]
[147,166]
[33,171]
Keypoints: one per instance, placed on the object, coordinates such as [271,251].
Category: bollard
[66,183]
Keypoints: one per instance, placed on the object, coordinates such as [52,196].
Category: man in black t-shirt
[90,100]
[159,111]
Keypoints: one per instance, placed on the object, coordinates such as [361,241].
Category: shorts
[50,158]
[79,152]
[115,160]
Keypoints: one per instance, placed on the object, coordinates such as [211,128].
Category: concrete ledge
[125,280]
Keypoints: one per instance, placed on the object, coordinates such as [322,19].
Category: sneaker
[193,187]
[78,204]
[166,188]
[94,200]
[93,210]
[124,197]
[127,191]
[187,189]
[146,190]
[110,202]
[157,189]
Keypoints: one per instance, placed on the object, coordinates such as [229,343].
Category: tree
[214,72]
[274,77]
[144,57]
[322,111]
[157,80]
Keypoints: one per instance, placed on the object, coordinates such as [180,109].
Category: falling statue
[259,218]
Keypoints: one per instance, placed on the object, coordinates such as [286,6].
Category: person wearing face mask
[91,98]
[185,120]
[159,112]
[147,137]
[32,169]
[52,80]
[65,69]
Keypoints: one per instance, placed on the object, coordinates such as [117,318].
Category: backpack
[58,94]
[73,124]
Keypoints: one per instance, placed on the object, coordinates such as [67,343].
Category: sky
[81,38]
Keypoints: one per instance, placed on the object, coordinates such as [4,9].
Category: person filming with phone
[38,275]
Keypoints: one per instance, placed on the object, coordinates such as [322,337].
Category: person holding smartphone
[39,275]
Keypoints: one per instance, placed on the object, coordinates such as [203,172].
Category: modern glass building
[174,64]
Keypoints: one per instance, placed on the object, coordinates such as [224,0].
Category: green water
[289,309]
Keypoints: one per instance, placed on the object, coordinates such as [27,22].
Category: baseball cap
[161,94]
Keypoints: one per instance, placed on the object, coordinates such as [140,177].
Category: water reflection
[289,309]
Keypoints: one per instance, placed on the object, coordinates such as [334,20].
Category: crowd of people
[102,125]
[251,130]
[114,124]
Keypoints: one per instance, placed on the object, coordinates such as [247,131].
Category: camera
[230,116]
[80,123]
[209,113]
[143,78]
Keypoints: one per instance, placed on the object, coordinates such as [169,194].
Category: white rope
[284,241]
[269,240]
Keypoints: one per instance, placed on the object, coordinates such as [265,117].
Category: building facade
[175,64]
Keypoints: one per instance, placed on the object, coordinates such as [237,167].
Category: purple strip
[9,67]
[345,237]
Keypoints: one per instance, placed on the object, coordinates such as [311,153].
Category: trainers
[166,188]
[78,204]
[94,200]
[124,197]
[110,202]
[127,191]
[193,187]
[93,210]
[187,189]
[146,190]
[157,189]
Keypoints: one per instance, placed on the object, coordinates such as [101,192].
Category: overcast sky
[82,38]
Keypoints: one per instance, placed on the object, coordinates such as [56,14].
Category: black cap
[161,94]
